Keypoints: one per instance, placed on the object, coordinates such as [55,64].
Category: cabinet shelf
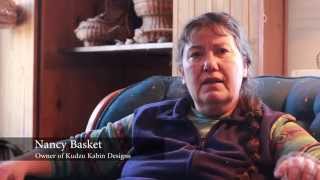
[147,48]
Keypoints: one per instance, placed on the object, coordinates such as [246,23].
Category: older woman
[221,131]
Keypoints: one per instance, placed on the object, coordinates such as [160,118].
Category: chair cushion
[301,100]
[273,90]
[315,125]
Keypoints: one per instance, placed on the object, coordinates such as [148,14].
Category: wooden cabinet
[274,37]
[71,81]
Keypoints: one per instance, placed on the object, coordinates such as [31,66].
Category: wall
[303,36]
[17,55]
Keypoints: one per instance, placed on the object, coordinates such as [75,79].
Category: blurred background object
[113,24]
[8,13]
[156,20]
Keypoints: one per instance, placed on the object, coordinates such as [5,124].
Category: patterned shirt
[286,136]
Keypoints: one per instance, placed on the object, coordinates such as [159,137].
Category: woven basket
[8,13]
[96,31]
[156,20]
[153,7]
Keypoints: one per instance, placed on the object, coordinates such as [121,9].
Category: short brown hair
[217,21]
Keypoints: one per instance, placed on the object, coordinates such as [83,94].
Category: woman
[220,131]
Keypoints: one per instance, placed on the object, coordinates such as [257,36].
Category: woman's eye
[222,51]
[194,56]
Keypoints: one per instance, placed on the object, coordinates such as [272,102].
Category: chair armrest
[99,109]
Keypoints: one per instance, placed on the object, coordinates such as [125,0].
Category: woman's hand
[297,167]
[12,170]
[18,170]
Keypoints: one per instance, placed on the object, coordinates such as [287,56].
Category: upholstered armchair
[298,96]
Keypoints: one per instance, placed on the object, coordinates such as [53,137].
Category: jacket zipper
[203,140]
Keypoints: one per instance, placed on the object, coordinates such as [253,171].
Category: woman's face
[213,69]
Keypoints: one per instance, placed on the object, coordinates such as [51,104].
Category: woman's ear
[180,70]
[245,71]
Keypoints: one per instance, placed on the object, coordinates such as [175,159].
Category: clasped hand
[297,167]
[12,170]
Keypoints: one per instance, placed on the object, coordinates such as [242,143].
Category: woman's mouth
[212,81]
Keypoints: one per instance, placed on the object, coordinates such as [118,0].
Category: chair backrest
[298,96]
[8,150]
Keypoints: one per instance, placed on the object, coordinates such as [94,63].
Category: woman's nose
[210,63]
